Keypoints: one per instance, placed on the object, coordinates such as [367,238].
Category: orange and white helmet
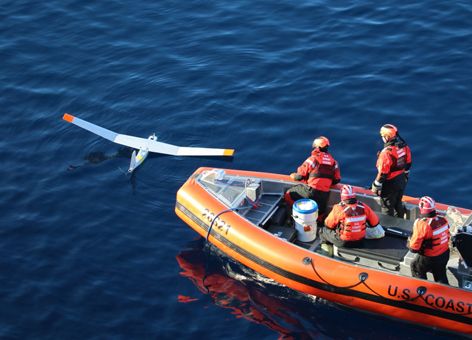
[347,192]
[388,131]
[426,205]
[320,142]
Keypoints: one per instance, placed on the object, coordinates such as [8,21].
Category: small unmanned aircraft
[145,145]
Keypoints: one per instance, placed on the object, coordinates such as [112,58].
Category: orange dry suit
[350,220]
[430,236]
[320,171]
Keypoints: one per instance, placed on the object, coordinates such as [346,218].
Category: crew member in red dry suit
[430,240]
[319,172]
[346,224]
[393,165]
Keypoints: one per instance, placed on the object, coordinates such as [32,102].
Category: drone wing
[144,143]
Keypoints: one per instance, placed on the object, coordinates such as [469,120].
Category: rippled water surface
[87,252]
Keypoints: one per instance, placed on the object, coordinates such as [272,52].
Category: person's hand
[376,188]
[293,176]
[407,175]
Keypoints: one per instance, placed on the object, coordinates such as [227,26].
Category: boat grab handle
[356,259]
[394,269]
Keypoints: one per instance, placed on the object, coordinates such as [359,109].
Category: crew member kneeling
[430,240]
[346,224]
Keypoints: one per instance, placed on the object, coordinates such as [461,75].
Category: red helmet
[320,142]
[426,205]
[347,192]
[388,131]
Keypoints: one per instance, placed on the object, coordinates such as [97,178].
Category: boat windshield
[227,188]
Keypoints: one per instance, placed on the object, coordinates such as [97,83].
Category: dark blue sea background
[88,252]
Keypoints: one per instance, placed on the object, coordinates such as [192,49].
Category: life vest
[398,160]
[322,166]
[400,156]
[319,171]
[437,240]
[353,224]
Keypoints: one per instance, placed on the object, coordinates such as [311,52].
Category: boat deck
[261,202]
[389,253]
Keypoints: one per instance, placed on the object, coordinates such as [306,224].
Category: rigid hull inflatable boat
[244,215]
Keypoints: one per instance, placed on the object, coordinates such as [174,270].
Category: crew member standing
[346,224]
[319,172]
[393,166]
[430,240]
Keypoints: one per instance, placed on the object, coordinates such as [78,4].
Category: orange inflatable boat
[243,214]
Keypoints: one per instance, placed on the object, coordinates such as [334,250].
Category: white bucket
[305,213]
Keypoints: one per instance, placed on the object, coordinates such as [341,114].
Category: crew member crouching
[430,240]
[346,224]
[319,171]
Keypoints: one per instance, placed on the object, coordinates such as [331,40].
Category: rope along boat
[244,215]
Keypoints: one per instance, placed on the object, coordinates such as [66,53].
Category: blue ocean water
[87,252]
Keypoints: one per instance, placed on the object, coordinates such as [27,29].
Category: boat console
[463,242]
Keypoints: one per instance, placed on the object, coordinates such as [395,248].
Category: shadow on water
[291,314]
[97,157]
